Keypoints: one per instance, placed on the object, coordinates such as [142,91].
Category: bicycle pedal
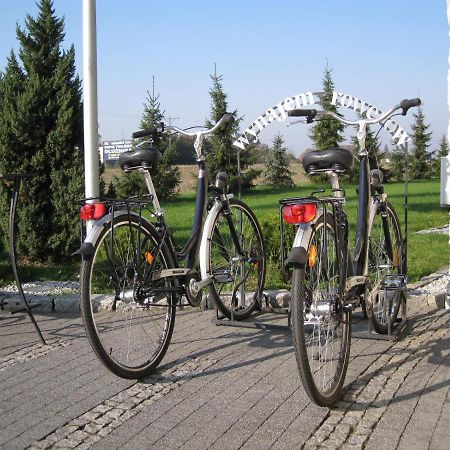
[354,281]
[394,283]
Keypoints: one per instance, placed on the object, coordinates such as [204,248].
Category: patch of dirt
[189,173]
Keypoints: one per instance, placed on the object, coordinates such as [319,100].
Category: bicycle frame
[191,248]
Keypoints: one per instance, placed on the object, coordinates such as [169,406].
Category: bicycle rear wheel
[129,322]
[385,303]
[238,279]
[321,327]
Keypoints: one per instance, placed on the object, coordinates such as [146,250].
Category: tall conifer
[278,173]
[326,133]
[420,162]
[442,152]
[223,155]
[41,132]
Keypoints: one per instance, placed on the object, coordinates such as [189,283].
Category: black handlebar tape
[144,133]
[409,103]
[228,118]
[311,113]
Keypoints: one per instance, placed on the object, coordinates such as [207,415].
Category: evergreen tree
[420,166]
[442,152]
[278,173]
[222,155]
[128,184]
[326,133]
[165,175]
[41,132]
[397,163]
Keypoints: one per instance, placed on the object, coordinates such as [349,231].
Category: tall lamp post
[445,168]
[90,109]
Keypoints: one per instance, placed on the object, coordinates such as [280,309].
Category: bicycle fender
[297,258]
[87,247]
[207,230]
[298,254]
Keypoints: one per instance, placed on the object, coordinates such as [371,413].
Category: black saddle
[336,159]
[139,158]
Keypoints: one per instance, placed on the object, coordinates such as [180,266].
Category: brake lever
[297,121]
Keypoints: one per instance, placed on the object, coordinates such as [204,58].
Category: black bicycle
[133,278]
[328,280]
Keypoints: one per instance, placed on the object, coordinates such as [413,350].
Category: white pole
[446,161]
[90,99]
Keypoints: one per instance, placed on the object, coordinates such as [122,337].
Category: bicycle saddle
[139,158]
[337,159]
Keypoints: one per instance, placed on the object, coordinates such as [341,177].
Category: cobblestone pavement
[223,388]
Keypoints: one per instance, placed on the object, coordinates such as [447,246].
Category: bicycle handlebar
[226,118]
[148,132]
[311,113]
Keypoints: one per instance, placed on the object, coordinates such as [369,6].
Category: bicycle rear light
[299,213]
[92,211]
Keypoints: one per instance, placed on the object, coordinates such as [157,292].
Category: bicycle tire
[129,334]
[237,282]
[321,326]
[386,303]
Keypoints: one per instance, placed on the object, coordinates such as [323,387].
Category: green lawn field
[426,252]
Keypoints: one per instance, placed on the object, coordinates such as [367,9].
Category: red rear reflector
[300,213]
[92,211]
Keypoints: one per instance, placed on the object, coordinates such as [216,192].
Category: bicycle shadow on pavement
[260,339]
[434,352]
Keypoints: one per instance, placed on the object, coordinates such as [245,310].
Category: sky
[380,51]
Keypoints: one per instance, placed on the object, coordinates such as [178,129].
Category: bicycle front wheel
[385,259]
[235,260]
[321,327]
[129,320]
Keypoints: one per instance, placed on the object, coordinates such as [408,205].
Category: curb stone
[277,298]
[67,304]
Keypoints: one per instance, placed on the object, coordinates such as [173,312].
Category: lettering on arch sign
[306,99]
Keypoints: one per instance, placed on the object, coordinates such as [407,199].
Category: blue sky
[379,51]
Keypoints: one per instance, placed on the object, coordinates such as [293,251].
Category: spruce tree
[222,155]
[165,175]
[397,163]
[277,173]
[41,132]
[420,161]
[442,152]
[326,133]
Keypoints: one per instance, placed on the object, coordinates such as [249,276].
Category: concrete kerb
[62,297]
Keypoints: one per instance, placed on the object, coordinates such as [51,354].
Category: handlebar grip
[148,132]
[143,133]
[228,118]
[409,103]
[310,113]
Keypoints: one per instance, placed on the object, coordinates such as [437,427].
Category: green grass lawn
[426,253]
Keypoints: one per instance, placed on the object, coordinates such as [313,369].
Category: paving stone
[67,305]
[230,387]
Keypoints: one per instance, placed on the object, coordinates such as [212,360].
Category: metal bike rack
[17,180]
[220,320]
[395,332]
